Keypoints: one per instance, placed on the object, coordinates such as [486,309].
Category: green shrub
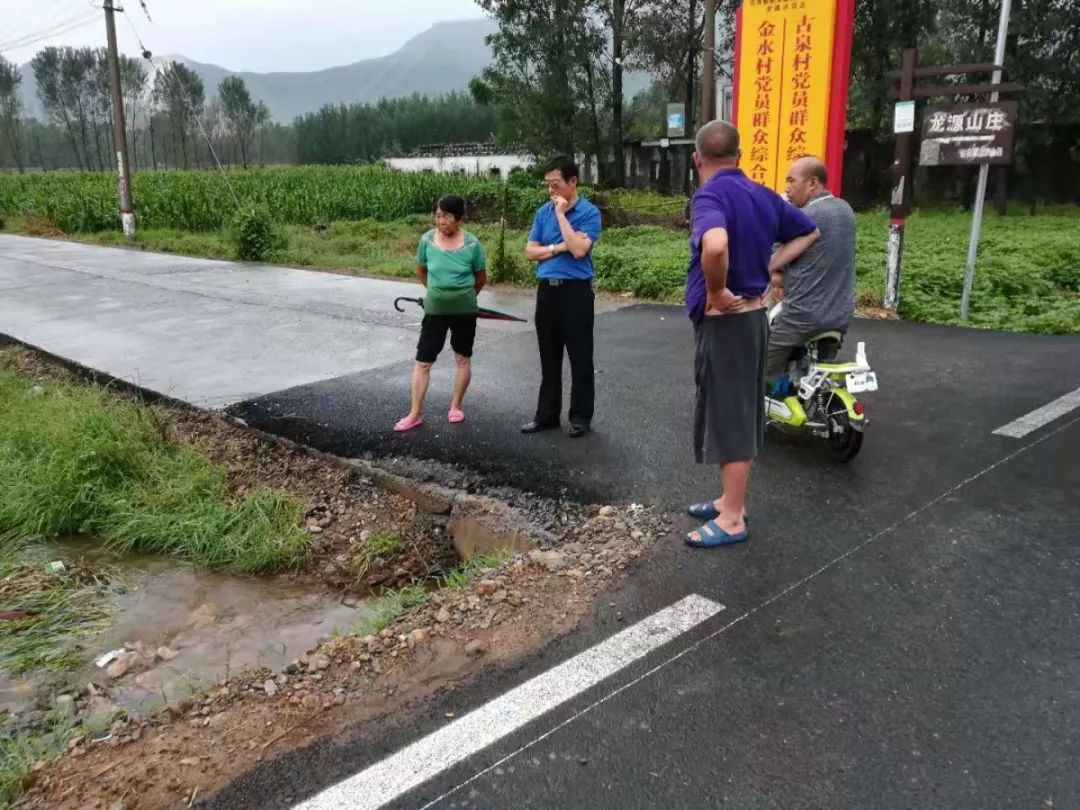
[254,235]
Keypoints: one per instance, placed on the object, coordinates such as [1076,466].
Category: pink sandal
[456,416]
[408,423]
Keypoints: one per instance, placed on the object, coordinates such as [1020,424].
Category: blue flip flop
[703,511]
[711,535]
[706,511]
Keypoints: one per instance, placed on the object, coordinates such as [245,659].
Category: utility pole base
[128,221]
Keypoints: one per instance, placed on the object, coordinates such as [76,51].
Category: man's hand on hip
[723,302]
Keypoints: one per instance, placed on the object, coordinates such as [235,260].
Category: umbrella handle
[399,308]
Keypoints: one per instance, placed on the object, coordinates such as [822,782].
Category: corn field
[202,201]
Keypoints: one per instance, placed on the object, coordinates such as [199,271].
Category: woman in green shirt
[450,263]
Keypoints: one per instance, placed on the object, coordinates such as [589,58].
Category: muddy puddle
[182,629]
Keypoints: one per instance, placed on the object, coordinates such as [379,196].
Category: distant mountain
[442,59]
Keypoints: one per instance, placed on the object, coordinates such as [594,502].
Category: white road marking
[1019,428]
[415,764]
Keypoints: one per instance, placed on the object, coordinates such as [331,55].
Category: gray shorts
[729,370]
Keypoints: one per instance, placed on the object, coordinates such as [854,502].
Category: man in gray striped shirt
[817,288]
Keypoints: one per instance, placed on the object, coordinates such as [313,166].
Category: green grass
[388,606]
[52,612]
[75,460]
[19,752]
[380,544]
[1027,273]
[462,575]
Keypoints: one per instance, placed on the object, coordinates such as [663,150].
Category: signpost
[676,120]
[792,61]
[953,134]
[968,134]
[904,117]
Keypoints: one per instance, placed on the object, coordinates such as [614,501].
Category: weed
[388,606]
[75,460]
[380,544]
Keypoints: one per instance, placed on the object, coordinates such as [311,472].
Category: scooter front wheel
[843,442]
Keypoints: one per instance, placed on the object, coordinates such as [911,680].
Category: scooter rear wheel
[844,442]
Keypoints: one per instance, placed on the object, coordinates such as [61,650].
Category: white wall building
[484,159]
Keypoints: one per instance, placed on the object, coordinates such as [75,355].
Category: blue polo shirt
[584,217]
[755,217]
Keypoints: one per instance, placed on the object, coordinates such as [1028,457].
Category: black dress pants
[564,321]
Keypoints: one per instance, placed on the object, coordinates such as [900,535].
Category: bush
[254,235]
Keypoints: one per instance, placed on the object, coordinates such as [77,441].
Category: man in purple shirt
[735,224]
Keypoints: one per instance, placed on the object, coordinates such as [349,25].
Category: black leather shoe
[577,431]
[537,427]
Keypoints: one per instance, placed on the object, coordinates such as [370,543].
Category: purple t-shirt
[756,218]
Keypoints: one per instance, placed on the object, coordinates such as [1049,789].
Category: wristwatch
[553,249]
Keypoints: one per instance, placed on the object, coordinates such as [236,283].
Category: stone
[164,654]
[270,688]
[118,669]
[476,647]
[311,702]
[204,616]
[339,700]
[356,666]
[417,636]
[365,535]
[318,663]
[65,704]
[486,587]
[499,596]
[607,511]
[551,560]
[152,680]
[442,616]
[315,529]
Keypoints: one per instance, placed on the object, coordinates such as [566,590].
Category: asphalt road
[899,632]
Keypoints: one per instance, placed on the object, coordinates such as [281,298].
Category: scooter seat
[825,344]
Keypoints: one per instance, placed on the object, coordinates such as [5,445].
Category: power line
[184,97]
[79,21]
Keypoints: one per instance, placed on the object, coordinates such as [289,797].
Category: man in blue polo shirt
[561,241]
[735,223]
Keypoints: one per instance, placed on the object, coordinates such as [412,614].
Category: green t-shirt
[451,286]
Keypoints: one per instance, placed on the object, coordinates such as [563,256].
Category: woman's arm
[421,273]
[481,279]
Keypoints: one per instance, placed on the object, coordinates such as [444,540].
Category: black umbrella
[482,312]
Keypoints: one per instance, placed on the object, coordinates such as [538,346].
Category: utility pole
[127,210]
[984,168]
[708,65]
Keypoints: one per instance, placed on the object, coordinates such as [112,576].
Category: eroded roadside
[443,583]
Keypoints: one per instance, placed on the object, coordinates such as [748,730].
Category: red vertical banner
[841,71]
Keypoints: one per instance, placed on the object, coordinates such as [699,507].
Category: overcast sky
[257,35]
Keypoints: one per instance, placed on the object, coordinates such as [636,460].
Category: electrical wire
[71,24]
[186,99]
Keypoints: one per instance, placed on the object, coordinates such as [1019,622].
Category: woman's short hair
[451,204]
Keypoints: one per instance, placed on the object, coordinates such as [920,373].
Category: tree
[133,83]
[545,80]
[11,110]
[180,93]
[242,114]
[621,19]
[665,39]
[55,92]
